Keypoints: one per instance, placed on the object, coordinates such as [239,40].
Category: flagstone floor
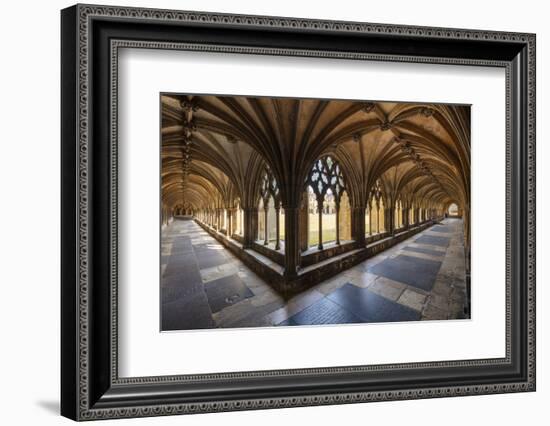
[203,285]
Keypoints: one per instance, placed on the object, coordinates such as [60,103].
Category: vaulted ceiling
[215,147]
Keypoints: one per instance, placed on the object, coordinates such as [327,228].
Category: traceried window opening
[325,186]
[269,210]
[374,215]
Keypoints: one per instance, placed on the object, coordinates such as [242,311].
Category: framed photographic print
[263,212]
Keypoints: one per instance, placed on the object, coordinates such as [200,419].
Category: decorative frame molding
[91,37]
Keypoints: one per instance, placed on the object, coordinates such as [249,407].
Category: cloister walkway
[203,285]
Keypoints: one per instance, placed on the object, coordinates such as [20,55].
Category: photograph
[280,211]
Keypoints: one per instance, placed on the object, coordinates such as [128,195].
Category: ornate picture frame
[91,37]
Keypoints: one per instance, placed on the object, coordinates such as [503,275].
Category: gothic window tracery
[325,185]
[326,177]
[374,217]
[269,210]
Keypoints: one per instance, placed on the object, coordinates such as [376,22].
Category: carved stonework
[189,105]
[427,112]
[189,125]
[368,107]
[385,126]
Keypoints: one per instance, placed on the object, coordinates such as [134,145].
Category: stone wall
[385,243]
[274,255]
[317,256]
[376,237]
[321,265]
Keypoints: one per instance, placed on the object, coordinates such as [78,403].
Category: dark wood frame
[90,386]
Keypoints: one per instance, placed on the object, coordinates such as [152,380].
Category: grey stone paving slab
[180,264]
[413,271]
[424,251]
[332,284]
[170,294]
[181,245]
[457,310]
[370,307]
[188,313]
[412,299]
[325,311]
[207,246]
[226,291]
[251,317]
[186,278]
[432,312]
[442,287]
[439,301]
[210,258]
[387,288]
[433,240]
[364,280]
[439,228]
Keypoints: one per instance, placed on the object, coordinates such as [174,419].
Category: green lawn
[329,229]
[329,235]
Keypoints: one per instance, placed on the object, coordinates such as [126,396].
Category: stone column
[377,217]
[370,218]
[277,230]
[320,210]
[229,222]
[338,223]
[389,217]
[266,230]
[304,223]
[250,215]
[358,224]
[292,241]
[234,220]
